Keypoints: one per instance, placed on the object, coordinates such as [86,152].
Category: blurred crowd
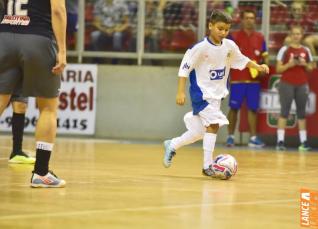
[172,26]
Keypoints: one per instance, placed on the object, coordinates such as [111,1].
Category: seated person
[112,22]
[72,22]
[312,42]
[298,17]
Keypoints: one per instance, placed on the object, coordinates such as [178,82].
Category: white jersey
[208,67]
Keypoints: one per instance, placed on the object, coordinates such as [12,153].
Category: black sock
[17,132]
[41,166]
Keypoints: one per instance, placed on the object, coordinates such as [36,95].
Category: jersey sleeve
[281,53]
[187,63]
[238,60]
[309,57]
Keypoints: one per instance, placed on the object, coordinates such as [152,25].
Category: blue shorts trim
[198,104]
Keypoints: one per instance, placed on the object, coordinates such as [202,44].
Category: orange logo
[308,208]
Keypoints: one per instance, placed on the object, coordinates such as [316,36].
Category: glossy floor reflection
[120,185]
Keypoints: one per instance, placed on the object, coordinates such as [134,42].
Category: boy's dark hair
[247,11]
[220,16]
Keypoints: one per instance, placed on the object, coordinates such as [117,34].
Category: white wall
[138,102]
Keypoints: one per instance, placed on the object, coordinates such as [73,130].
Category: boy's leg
[194,133]
[213,118]
[45,134]
[19,105]
[209,140]
[186,138]
[171,146]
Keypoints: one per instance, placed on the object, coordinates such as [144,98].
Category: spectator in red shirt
[293,62]
[245,85]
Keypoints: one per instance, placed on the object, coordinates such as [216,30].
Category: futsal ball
[225,166]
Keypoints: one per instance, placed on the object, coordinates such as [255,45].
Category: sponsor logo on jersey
[15,20]
[217,74]
[186,66]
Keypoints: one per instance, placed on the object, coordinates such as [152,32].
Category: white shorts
[209,115]
[194,123]
[212,114]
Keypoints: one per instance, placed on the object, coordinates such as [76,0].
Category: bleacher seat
[276,41]
[182,40]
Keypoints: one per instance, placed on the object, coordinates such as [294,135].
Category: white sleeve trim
[311,59]
[281,53]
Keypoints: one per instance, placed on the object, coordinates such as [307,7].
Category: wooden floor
[122,185]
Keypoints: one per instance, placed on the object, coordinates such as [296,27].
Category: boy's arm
[187,65]
[58,12]
[261,68]
[180,98]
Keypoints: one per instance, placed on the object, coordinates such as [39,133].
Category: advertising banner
[77,103]
[270,109]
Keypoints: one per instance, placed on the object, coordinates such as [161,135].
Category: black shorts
[26,63]
[6,81]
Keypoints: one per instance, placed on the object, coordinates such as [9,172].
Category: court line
[150,208]
[25,184]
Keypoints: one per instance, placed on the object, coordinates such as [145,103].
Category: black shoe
[19,153]
[280,146]
[208,172]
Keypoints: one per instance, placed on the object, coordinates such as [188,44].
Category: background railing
[157,32]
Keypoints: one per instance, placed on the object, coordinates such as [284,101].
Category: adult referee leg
[46,126]
[4,101]
[45,134]
[17,155]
